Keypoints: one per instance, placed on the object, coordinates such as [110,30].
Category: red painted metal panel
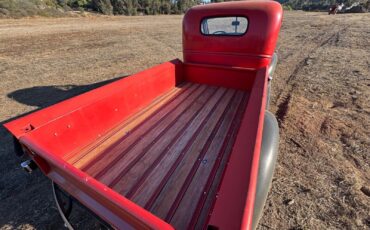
[85,188]
[74,123]
[236,78]
[234,205]
[153,82]
[252,50]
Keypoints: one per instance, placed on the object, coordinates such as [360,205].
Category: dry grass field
[321,94]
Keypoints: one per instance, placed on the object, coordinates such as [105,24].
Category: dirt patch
[324,149]
[320,96]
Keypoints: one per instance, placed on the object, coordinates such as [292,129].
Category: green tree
[119,6]
[103,6]
[166,7]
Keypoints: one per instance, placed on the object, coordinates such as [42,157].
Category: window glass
[229,26]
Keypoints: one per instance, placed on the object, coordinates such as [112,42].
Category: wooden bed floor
[169,157]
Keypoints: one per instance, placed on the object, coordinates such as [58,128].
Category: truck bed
[170,156]
[149,151]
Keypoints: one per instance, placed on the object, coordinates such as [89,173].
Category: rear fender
[269,151]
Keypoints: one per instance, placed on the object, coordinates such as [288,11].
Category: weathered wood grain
[169,157]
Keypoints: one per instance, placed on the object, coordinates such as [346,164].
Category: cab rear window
[226,26]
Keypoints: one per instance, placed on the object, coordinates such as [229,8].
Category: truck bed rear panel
[169,157]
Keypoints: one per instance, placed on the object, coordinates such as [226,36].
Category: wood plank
[186,202]
[90,152]
[168,113]
[169,157]
[167,196]
[156,175]
[204,206]
[194,115]
[140,143]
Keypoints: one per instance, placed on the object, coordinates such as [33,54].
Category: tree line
[132,7]
[320,5]
[50,8]
[135,7]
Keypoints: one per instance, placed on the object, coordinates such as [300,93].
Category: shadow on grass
[44,96]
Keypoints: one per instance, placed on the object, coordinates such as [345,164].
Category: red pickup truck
[185,144]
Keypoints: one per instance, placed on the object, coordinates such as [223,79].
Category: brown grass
[320,95]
